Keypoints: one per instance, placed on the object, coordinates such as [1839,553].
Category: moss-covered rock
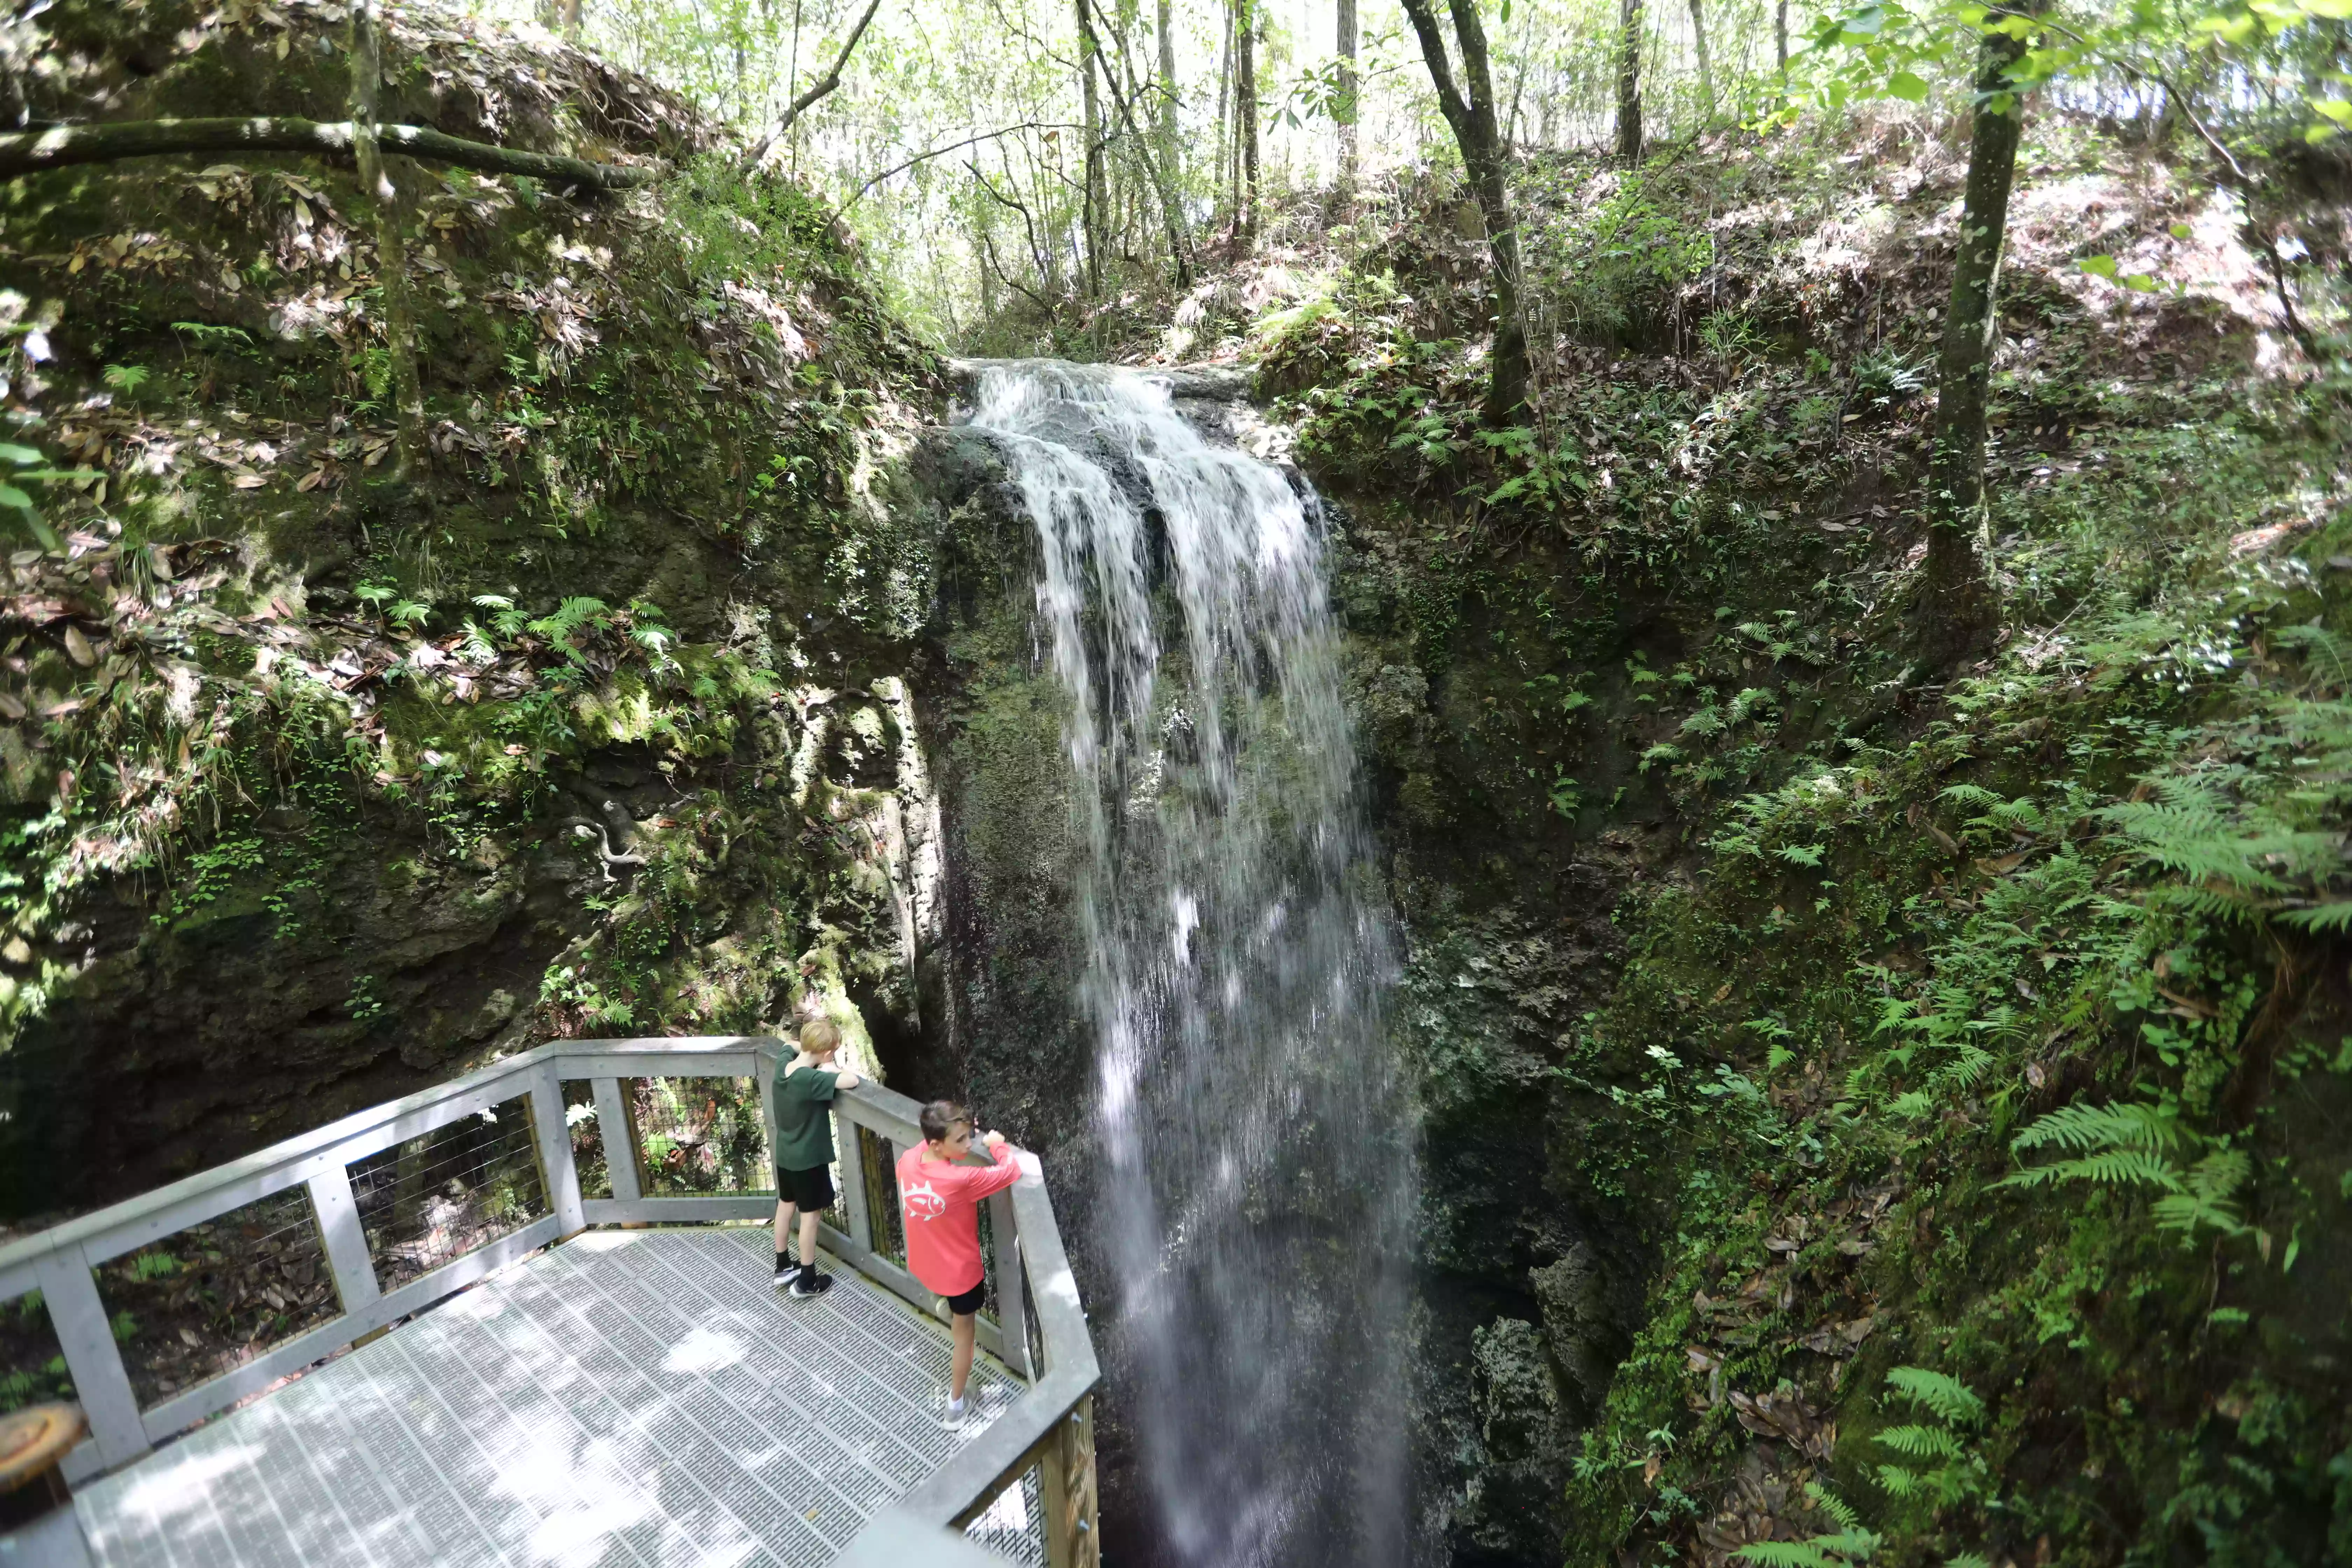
[320,784]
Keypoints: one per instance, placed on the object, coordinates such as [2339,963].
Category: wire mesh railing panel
[1014,1526]
[701,1137]
[32,1363]
[588,1136]
[880,1166]
[434,1198]
[206,1300]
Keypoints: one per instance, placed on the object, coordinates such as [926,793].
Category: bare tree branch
[821,87]
[858,195]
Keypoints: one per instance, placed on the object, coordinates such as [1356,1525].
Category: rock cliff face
[320,785]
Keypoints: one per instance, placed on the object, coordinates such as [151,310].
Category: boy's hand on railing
[993,1139]
[847,1080]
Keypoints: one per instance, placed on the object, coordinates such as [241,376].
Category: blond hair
[819,1035]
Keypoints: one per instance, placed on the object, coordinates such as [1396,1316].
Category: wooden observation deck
[455,1330]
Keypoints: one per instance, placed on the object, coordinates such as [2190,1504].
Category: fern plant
[2133,1144]
[1848,1544]
[1941,1465]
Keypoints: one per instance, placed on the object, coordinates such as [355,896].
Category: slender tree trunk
[411,451]
[1245,116]
[1166,116]
[1957,605]
[1706,66]
[570,17]
[1228,144]
[1780,39]
[1095,216]
[1629,81]
[1479,137]
[1347,107]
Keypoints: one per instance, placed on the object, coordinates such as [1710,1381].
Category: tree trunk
[569,13]
[1706,66]
[1780,40]
[1245,117]
[1629,81]
[1228,144]
[411,450]
[1956,603]
[1345,109]
[1479,137]
[1097,206]
[1166,116]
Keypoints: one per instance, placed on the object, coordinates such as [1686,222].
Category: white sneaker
[958,1409]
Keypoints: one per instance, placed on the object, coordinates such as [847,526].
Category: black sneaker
[809,1282]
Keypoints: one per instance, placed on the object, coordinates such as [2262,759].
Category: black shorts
[965,1305]
[811,1190]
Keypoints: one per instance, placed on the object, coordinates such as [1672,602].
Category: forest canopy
[1022,168]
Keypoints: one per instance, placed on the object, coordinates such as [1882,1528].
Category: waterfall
[1255,1185]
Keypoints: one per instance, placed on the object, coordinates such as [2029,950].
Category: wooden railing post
[850,1148]
[1066,1471]
[1012,1313]
[87,1338]
[557,1169]
[618,1130]
[342,1237]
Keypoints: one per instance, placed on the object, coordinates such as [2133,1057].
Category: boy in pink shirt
[939,1196]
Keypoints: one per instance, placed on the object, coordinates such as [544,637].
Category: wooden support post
[559,1176]
[849,1148]
[79,1315]
[1067,1473]
[341,1238]
[1012,1314]
[614,1126]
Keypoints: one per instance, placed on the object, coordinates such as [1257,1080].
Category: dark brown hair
[941,1117]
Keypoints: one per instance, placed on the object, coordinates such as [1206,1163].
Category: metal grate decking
[630,1397]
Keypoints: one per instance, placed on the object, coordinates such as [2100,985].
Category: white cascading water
[1257,1183]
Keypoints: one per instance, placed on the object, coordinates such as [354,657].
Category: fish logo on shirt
[923,1202]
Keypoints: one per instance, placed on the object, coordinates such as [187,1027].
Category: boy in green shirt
[804,1090]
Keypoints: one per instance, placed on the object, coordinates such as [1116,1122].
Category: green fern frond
[2108,1168]
[1947,1396]
[2120,1125]
[2208,1195]
[569,617]
[1900,1482]
[1922,1442]
[2221,1174]
[2184,1212]
[1970,794]
[2321,648]
[1966,1560]
[1787,1554]
[1969,1064]
[2334,917]
[1829,1503]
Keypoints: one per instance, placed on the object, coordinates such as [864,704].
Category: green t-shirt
[803,1129]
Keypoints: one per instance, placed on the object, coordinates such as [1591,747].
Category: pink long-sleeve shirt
[940,1200]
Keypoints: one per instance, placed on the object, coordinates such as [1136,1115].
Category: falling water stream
[1255,1184]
